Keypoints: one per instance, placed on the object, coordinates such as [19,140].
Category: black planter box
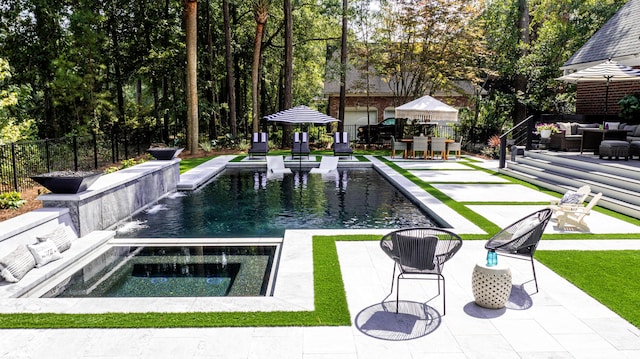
[67,181]
[164,153]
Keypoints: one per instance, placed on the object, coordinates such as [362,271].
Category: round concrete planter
[67,181]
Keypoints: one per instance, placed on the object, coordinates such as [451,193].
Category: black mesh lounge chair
[300,145]
[341,144]
[420,251]
[259,144]
[520,239]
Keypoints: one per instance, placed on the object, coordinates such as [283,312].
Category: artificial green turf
[329,299]
[463,210]
[611,277]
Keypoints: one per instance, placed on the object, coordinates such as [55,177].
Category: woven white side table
[491,285]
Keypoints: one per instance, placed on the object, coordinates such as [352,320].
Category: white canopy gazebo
[427,109]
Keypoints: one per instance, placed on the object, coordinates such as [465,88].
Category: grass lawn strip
[610,277]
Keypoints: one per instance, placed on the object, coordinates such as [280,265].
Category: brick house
[382,102]
[618,40]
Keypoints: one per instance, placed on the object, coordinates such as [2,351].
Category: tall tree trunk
[288,64]
[521,80]
[191,19]
[261,13]
[228,57]
[343,66]
[210,80]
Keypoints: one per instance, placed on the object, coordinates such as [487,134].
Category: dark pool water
[172,271]
[245,203]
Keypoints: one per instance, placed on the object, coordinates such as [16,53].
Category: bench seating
[24,230]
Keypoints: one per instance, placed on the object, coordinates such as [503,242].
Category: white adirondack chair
[576,216]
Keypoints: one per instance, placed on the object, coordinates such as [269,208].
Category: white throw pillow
[571,198]
[16,264]
[60,237]
[44,252]
[611,125]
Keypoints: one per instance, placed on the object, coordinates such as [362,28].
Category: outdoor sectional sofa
[570,136]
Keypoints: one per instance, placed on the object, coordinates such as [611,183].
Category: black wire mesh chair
[520,239]
[420,251]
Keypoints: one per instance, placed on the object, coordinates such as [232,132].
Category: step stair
[619,181]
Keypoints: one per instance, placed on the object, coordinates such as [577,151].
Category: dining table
[409,142]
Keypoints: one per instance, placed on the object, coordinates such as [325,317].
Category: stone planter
[164,153]
[67,181]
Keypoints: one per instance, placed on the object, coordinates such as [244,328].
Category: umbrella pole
[606,100]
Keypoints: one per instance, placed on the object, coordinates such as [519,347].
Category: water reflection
[246,203]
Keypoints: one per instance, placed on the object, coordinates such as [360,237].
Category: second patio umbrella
[604,72]
[300,115]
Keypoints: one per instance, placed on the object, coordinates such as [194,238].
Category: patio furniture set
[420,253]
[427,146]
[611,139]
[300,148]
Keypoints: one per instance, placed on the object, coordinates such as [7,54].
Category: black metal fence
[21,160]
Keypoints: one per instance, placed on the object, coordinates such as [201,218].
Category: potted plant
[546,129]
[630,107]
[160,151]
[67,181]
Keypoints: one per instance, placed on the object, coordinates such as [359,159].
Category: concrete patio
[558,322]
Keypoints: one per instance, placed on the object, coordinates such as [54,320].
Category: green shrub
[11,200]
[206,146]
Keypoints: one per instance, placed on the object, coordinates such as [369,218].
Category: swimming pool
[246,203]
[173,271]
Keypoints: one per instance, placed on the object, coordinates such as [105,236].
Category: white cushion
[60,237]
[44,252]
[16,264]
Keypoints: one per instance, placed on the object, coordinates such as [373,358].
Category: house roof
[618,39]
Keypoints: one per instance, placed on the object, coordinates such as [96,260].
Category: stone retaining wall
[118,195]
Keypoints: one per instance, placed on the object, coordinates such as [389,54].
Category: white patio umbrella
[607,71]
[300,115]
[427,109]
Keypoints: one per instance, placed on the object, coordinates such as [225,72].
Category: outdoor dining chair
[520,239]
[420,252]
[398,146]
[420,144]
[455,147]
[438,144]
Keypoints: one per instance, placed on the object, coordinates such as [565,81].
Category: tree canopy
[119,67]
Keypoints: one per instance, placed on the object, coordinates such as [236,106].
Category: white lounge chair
[275,165]
[571,200]
[327,164]
[576,216]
